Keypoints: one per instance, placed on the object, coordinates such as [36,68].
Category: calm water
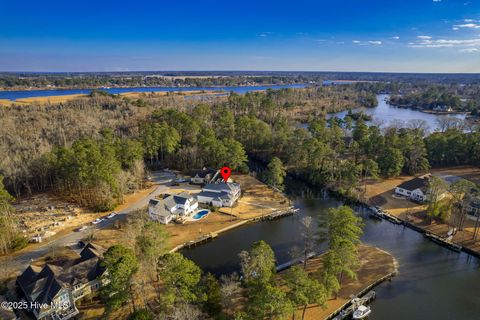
[13,95]
[433,282]
[385,114]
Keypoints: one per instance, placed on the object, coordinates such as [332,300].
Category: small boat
[376,212]
[361,313]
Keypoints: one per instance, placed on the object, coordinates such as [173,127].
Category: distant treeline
[459,97]
[217,78]
[45,81]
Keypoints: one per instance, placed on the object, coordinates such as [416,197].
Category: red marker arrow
[226,172]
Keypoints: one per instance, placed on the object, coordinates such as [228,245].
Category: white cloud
[470,25]
[437,0]
[446,43]
[264,34]
[395,38]
[469,20]
[455,28]
[369,42]
[469,50]
[424,37]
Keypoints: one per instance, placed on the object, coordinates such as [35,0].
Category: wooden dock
[444,242]
[363,297]
[279,214]
[295,261]
[379,213]
[354,304]
[202,239]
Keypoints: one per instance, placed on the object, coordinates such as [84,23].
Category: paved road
[18,262]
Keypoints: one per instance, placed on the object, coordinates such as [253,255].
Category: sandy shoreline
[376,266]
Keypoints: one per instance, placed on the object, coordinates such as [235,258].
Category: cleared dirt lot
[50,216]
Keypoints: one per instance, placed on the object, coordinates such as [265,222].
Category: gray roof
[222,186]
[215,195]
[172,200]
[43,284]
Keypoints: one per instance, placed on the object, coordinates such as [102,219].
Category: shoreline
[377,266]
[454,112]
[23,89]
[413,215]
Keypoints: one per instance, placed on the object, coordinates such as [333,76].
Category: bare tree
[231,289]
[309,237]
[186,312]
[418,124]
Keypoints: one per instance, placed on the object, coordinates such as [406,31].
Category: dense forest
[93,150]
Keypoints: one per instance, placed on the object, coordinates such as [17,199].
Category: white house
[415,189]
[179,205]
[220,194]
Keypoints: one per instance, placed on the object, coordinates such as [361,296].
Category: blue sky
[334,35]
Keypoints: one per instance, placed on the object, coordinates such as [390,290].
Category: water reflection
[433,282]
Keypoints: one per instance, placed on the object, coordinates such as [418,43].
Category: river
[433,282]
[13,95]
[385,114]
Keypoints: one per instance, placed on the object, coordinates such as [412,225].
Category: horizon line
[247,71]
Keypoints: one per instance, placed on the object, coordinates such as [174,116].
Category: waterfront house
[51,291]
[416,189]
[203,176]
[220,194]
[172,206]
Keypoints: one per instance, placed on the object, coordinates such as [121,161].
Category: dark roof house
[50,283]
[415,183]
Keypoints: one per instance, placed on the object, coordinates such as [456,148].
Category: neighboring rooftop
[42,284]
[222,186]
[203,172]
[415,183]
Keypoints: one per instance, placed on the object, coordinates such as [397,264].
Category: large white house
[415,189]
[178,205]
[220,194]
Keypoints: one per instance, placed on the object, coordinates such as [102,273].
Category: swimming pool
[200,214]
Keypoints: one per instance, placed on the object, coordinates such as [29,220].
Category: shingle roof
[43,285]
[202,173]
[222,186]
[210,194]
[172,200]
[415,183]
